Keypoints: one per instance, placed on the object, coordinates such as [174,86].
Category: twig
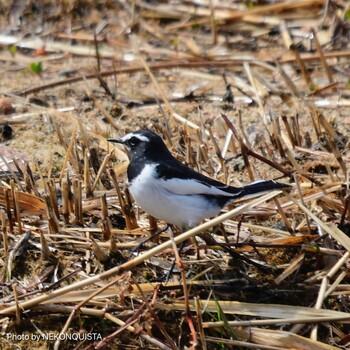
[68,151]
[99,105]
[322,57]
[154,314]
[255,155]
[76,309]
[177,64]
[16,251]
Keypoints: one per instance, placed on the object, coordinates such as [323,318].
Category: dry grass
[239,91]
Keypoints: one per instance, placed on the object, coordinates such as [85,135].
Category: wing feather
[182,180]
[189,187]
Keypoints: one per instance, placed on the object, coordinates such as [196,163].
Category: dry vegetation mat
[240,91]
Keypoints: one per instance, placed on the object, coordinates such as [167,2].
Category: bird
[171,191]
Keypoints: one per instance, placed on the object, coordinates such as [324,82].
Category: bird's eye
[134,141]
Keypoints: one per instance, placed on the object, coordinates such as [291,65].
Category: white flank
[170,203]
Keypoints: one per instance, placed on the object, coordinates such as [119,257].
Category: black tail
[260,186]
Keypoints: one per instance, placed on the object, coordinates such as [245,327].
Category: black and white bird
[169,190]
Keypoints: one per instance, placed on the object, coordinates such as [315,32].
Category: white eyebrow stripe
[140,137]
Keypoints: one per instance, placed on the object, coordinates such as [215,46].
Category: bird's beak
[116,140]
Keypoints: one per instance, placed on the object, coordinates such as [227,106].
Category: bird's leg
[177,257]
[182,245]
[156,234]
[183,278]
[168,275]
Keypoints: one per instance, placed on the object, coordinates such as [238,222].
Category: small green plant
[175,42]
[12,49]
[312,87]
[196,26]
[249,4]
[347,15]
[36,67]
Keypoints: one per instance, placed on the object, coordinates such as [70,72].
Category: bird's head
[142,144]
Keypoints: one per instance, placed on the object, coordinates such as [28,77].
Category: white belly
[176,209]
